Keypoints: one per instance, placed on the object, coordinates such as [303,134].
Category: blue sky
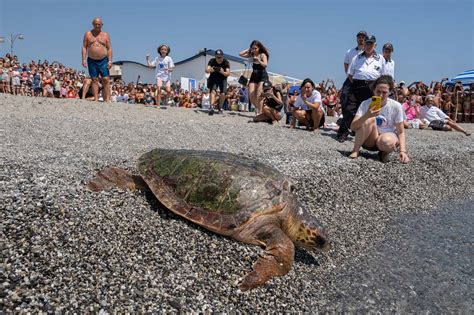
[432,39]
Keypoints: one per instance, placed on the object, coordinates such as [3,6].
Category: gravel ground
[67,249]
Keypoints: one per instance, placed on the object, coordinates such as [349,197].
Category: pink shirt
[411,112]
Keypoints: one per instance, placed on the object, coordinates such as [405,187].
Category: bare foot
[354,155]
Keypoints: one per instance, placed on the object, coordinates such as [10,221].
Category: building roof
[211,52]
[202,52]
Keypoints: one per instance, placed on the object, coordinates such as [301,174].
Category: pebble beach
[402,233]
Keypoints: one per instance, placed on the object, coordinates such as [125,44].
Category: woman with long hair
[260,56]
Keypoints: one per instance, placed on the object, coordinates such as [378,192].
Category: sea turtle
[230,195]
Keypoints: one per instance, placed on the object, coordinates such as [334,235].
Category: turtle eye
[321,241]
[292,187]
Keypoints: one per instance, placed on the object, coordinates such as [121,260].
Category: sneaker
[342,137]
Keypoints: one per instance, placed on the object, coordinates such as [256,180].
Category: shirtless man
[97,46]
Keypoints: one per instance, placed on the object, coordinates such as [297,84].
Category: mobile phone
[375,103]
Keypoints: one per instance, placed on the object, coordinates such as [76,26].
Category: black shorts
[258,76]
[311,122]
[217,84]
[437,125]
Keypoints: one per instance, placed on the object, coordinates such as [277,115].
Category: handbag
[243,79]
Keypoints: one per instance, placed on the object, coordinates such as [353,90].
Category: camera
[216,69]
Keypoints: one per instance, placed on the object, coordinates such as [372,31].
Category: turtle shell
[220,191]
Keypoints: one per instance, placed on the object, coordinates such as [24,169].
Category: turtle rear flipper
[114,177]
[277,260]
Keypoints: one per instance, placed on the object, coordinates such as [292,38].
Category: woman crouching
[272,104]
[307,108]
[380,130]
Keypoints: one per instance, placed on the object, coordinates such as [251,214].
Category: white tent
[275,78]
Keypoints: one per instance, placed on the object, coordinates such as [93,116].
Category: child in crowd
[164,66]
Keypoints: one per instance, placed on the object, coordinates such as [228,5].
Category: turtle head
[305,230]
[312,236]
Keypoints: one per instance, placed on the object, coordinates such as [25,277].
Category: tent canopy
[275,78]
[466,78]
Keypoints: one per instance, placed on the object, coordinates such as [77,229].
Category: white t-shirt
[162,65]
[432,113]
[314,98]
[390,115]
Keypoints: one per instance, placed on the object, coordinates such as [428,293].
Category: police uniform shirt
[363,68]
[350,54]
[389,67]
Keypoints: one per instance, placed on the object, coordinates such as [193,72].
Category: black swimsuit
[259,73]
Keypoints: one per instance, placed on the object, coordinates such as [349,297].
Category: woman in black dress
[260,56]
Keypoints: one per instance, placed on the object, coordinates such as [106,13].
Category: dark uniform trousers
[346,86]
[359,91]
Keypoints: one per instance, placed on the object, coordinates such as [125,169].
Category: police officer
[389,66]
[350,54]
[218,69]
[364,69]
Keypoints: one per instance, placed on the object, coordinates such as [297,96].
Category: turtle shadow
[166,214]
[158,207]
[302,256]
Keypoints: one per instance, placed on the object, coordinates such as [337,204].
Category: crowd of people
[53,79]
[370,105]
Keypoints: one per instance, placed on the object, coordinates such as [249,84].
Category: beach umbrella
[466,78]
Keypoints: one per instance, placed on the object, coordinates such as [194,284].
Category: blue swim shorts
[98,66]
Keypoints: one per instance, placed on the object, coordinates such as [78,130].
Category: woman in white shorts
[380,130]
[164,65]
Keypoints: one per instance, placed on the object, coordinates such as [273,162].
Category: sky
[432,39]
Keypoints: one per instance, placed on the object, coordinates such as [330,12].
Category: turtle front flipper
[276,261]
[114,177]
